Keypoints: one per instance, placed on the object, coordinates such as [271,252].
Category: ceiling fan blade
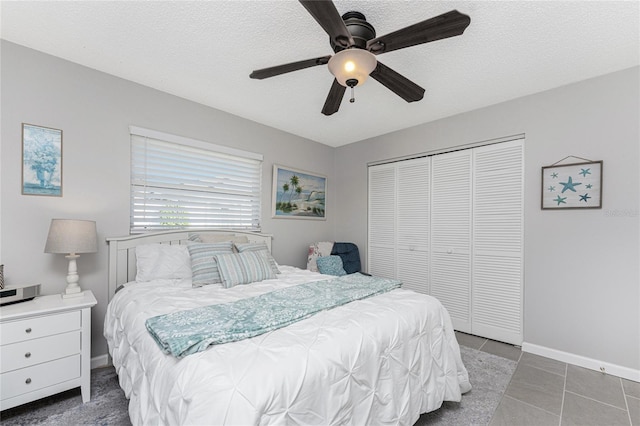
[449,24]
[326,14]
[401,86]
[336,93]
[285,68]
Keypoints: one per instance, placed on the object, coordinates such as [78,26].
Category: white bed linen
[381,360]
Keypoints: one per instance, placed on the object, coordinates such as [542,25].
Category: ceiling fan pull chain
[353,98]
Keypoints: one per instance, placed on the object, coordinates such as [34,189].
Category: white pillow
[162,261]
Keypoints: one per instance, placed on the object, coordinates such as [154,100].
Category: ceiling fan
[355,44]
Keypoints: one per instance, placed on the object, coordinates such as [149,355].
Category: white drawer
[37,351]
[39,376]
[36,327]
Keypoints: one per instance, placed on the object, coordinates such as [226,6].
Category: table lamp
[72,237]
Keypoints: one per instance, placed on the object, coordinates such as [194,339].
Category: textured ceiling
[204,51]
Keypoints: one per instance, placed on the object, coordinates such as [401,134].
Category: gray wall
[582,281]
[94,111]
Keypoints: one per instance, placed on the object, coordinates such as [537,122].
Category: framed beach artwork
[572,186]
[298,194]
[41,160]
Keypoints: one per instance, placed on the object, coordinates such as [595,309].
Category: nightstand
[45,348]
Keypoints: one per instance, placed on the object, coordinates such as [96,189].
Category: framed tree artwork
[41,160]
[298,194]
[572,186]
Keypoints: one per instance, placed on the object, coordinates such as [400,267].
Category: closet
[451,225]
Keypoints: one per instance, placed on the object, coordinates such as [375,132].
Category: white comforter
[382,360]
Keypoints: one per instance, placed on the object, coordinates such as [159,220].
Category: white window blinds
[181,183]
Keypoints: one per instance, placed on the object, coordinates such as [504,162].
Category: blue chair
[350,256]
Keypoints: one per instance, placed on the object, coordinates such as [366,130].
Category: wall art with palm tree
[298,194]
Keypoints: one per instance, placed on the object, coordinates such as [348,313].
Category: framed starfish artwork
[572,186]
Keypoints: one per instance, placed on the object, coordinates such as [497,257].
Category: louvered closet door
[497,263]
[413,177]
[382,216]
[451,235]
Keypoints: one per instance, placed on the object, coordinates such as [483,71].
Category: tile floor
[544,391]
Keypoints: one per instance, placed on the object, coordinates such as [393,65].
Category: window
[181,183]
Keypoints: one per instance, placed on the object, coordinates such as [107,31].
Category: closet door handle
[27,355]
[450,251]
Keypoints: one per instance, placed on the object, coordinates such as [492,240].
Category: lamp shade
[352,63]
[72,236]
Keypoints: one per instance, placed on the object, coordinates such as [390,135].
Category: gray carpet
[489,376]
[108,406]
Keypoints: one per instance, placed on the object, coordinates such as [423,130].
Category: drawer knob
[27,355]
[28,330]
[28,380]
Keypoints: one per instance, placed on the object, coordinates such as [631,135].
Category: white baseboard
[581,361]
[100,361]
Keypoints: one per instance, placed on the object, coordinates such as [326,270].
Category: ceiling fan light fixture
[352,64]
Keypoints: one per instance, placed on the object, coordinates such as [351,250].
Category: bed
[384,359]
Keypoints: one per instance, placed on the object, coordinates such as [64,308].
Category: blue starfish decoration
[559,200]
[569,185]
[588,186]
[584,172]
[554,175]
[552,188]
[584,197]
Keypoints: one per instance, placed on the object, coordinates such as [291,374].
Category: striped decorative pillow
[203,265]
[243,268]
[261,246]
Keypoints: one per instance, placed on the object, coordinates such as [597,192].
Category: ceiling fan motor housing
[360,30]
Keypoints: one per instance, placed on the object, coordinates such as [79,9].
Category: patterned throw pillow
[203,265]
[316,250]
[244,268]
[331,265]
[261,246]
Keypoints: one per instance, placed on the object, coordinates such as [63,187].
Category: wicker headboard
[122,253]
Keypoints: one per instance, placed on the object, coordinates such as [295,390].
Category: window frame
[205,201]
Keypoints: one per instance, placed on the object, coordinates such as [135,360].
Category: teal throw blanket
[186,332]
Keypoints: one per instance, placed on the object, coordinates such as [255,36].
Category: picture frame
[41,160]
[572,186]
[298,194]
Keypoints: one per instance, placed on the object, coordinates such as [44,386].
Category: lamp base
[72,289]
[72,292]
